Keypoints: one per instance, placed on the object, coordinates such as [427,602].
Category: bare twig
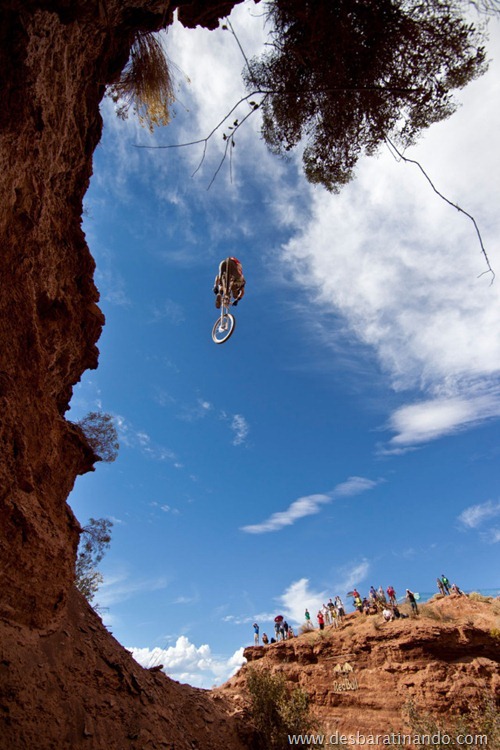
[212,132]
[401,156]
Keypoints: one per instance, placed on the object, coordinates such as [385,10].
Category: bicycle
[225,324]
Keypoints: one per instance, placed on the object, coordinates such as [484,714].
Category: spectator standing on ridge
[413,602]
[440,586]
[445,583]
[277,630]
[321,620]
[255,634]
[308,617]
[340,607]
[326,615]
[391,594]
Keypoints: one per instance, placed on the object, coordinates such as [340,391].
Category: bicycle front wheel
[223,328]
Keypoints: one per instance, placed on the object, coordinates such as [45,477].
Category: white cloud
[186,662]
[297,597]
[309,505]
[300,595]
[399,268]
[493,536]
[168,310]
[197,411]
[134,438]
[240,428]
[304,506]
[351,576]
[475,515]
[118,587]
[428,420]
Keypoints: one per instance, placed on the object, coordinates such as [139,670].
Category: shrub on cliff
[100,431]
[145,85]
[277,711]
[94,540]
[481,722]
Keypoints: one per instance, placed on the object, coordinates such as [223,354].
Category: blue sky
[348,433]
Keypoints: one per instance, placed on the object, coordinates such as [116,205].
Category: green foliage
[100,431]
[345,75]
[94,540]
[145,85]
[277,712]
[482,720]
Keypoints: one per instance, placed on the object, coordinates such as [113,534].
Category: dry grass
[145,85]
[475,597]
[435,614]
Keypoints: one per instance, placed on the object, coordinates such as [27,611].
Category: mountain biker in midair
[236,273]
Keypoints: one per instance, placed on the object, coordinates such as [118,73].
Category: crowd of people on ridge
[377,601]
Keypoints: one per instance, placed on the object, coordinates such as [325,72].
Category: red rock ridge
[360,677]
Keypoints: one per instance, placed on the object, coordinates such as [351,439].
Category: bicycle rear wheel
[223,328]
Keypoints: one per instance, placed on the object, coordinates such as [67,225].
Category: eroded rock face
[55,59]
[56,56]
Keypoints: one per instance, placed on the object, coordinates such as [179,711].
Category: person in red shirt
[235,269]
[321,620]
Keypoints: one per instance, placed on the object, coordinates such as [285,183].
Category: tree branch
[455,205]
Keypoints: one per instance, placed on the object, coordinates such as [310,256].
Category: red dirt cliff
[58,665]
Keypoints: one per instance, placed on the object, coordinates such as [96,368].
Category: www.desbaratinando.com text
[394,739]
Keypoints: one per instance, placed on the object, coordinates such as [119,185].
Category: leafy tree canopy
[344,75]
[101,434]
[94,540]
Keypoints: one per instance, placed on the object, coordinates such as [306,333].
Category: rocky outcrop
[360,677]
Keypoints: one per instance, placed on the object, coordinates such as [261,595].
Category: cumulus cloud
[185,662]
[298,596]
[309,505]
